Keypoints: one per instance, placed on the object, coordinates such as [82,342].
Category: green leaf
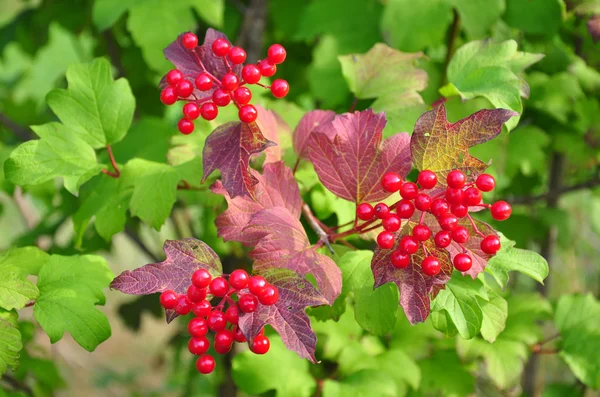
[95,107]
[70,286]
[453,381]
[334,336]
[325,73]
[211,11]
[10,9]
[555,95]
[15,292]
[10,341]
[365,383]
[280,370]
[106,13]
[477,16]
[528,151]
[375,310]
[490,70]
[25,261]
[538,17]
[578,320]
[389,362]
[515,259]
[58,153]
[495,312]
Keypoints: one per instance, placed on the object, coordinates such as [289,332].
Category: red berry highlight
[408,245]
[189,41]
[203,82]
[409,190]
[185,126]
[472,196]
[221,97]
[251,74]
[280,88]
[485,182]
[365,212]
[276,54]
[268,295]
[439,207]
[454,196]
[256,284]
[168,299]
[442,239]
[248,114]
[184,305]
[198,346]
[392,223]
[205,364]
[260,344]
[201,278]
[242,95]
[431,266]
[399,259]
[501,210]
[391,182]
[219,287]
[184,88]
[266,68]
[216,321]
[456,179]
[237,55]
[168,96]
[462,262]
[460,234]
[460,210]
[427,179]
[448,221]
[490,245]
[382,210]
[191,111]
[423,202]
[248,303]
[385,240]
[197,327]
[202,308]
[221,47]
[209,111]
[230,81]
[196,294]
[405,208]
[173,77]
[421,232]
[239,279]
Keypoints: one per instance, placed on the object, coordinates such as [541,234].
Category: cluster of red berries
[230,87]
[448,206]
[250,291]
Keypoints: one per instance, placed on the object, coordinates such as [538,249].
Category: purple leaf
[307,125]
[350,157]
[288,315]
[276,187]
[229,148]
[271,125]
[593,25]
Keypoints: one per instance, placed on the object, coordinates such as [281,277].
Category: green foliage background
[537,57]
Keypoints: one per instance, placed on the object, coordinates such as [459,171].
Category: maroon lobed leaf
[276,187]
[307,125]
[271,125]
[288,315]
[282,243]
[229,148]
[350,157]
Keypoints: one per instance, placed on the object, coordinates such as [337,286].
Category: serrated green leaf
[528,151]
[555,95]
[10,341]
[539,17]
[495,312]
[106,13]
[453,381]
[325,73]
[335,335]
[477,16]
[365,383]
[25,261]
[211,11]
[391,360]
[375,310]
[15,292]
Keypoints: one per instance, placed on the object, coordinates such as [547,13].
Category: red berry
[260,344]
[247,113]
[256,284]
[409,190]
[209,111]
[460,234]
[232,315]
[198,346]
[365,212]
[462,262]
[472,196]
[427,179]
[248,303]
[238,335]
[485,183]
[423,202]
[201,278]
[280,88]
[405,208]
[237,55]
[276,54]
[239,279]
[184,305]
[421,232]
[431,266]
[221,97]
[220,47]
[168,96]
[185,126]
[392,223]
[460,210]
[202,308]
[385,240]
[173,77]
[230,81]
[205,364]
[408,245]
[196,294]
[191,111]
[391,182]
[442,239]
[448,221]
[216,321]
[266,68]
[269,295]
[242,95]
[382,210]
[223,341]
[439,207]
[454,196]
[456,179]
[189,41]
[219,286]
[197,327]
[168,299]
[251,74]
[501,210]
[399,260]
[203,82]
[490,244]
[184,88]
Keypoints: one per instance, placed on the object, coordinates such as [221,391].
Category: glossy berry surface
[421,232]
[230,81]
[191,111]
[439,207]
[485,182]
[220,47]
[490,245]
[197,327]
[189,41]
[280,88]
[232,315]
[218,286]
[201,278]
[221,97]
[198,346]
[248,113]
[260,344]
[385,240]
[266,68]
[391,182]
[173,77]
[472,196]
[501,210]
[216,321]
[203,82]
[365,211]
[202,308]
[409,190]
[239,279]
[183,306]
[185,126]
[251,74]
[408,245]
[242,95]
[392,223]
[431,266]
[456,179]
[256,284]
[209,111]
[168,299]
[268,295]
[196,294]
[448,221]
[382,210]
[460,210]
[184,88]
[205,364]
[462,262]
[442,239]
[168,96]
[454,196]
[237,55]
[248,303]
[460,234]
[405,209]
[427,179]
[399,259]
[276,54]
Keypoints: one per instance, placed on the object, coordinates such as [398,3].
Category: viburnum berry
[201,278]
[183,306]
[205,364]
[460,234]
[462,262]
[196,294]
[238,335]
[237,55]
[460,210]
[223,341]
[268,295]
[266,68]
[168,96]
[421,232]
[189,41]
[168,299]
[202,308]
[382,210]
[221,47]
[448,221]
[256,284]
[427,179]
[248,303]
[490,244]
[184,88]
[203,82]
[280,88]
[185,126]
[221,97]
[391,182]
[392,223]
[485,182]
[209,111]
[173,77]
[365,212]
[399,259]
[247,114]
[230,81]
[239,279]
[472,196]
[456,179]
[501,210]
[251,74]
[442,239]
[405,208]
[198,346]
[216,320]
[191,111]
[276,54]
[423,202]
[408,245]
[409,190]
[232,315]
[439,207]
[454,196]
[242,95]
[431,266]
[197,327]
[260,344]
[219,286]
[385,240]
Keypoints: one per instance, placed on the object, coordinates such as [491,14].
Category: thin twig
[16,384]
[252,30]
[314,224]
[116,173]
[558,192]
[136,239]
[24,134]
[451,43]
[112,49]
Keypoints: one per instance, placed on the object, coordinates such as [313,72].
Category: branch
[112,49]
[253,27]
[451,43]
[16,384]
[314,224]
[554,195]
[24,134]
[136,239]
[116,173]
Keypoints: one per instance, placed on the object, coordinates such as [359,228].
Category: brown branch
[314,224]
[116,173]
[24,134]
[554,195]
[252,30]
[16,384]
[451,43]
[113,49]
[133,236]
[185,185]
